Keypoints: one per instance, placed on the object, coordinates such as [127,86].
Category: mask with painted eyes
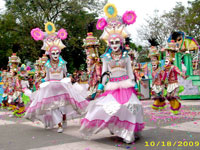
[167,62]
[154,65]
[43,73]
[115,44]
[91,61]
[55,54]
[36,74]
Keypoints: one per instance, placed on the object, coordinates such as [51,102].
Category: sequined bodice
[117,68]
[117,64]
[56,73]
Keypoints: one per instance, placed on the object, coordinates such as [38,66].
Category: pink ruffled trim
[54,80]
[113,120]
[121,95]
[65,96]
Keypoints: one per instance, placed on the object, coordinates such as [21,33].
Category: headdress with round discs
[51,40]
[115,25]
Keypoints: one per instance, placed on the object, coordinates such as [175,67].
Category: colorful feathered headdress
[115,24]
[51,39]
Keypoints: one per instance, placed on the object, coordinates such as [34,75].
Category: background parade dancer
[157,73]
[56,100]
[137,69]
[170,78]
[24,93]
[37,80]
[118,107]
[94,67]
[14,88]
[4,103]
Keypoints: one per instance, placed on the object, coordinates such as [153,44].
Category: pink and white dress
[118,108]
[55,97]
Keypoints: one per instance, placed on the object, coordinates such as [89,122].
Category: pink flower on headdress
[129,17]
[101,24]
[62,34]
[37,34]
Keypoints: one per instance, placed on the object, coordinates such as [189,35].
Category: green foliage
[23,15]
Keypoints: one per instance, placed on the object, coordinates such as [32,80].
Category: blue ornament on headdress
[50,28]
[111,10]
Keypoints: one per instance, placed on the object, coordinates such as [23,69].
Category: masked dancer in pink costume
[56,98]
[117,108]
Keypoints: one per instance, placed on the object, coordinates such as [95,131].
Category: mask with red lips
[115,43]
[55,53]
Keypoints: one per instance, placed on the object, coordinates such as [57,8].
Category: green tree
[23,15]
[193,20]
[154,27]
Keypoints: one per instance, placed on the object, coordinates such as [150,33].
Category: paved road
[182,132]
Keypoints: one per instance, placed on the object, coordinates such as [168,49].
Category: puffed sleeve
[129,68]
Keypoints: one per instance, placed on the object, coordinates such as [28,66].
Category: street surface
[163,131]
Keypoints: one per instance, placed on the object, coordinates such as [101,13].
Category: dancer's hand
[99,92]
[89,98]
[185,77]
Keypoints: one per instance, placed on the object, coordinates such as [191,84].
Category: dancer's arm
[98,71]
[47,74]
[176,69]
[101,85]
[65,71]
[104,69]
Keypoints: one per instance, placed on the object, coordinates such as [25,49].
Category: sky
[2,5]
[142,8]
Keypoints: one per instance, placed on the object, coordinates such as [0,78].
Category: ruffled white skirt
[54,99]
[157,88]
[172,87]
[118,109]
